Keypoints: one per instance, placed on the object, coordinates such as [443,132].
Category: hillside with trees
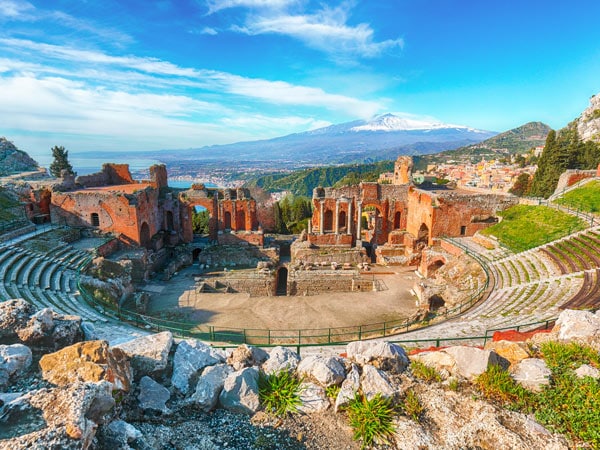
[302,182]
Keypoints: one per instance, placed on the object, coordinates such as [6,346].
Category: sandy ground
[288,312]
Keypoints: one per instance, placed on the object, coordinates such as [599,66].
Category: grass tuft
[425,372]
[279,393]
[412,405]
[371,420]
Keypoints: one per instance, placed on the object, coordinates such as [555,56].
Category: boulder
[14,315]
[50,330]
[327,371]
[148,354]
[583,326]
[210,384]
[190,358]
[532,374]
[89,331]
[586,370]
[87,361]
[349,388]
[374,381]
[513,352]
[442,362]
[15,359]
[281,358]
[470,362]
[246,356]
[153,396]
[118,434]
[70,416]
[384,355]
[240,391]
[313,398]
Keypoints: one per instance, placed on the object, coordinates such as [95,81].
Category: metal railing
[290,337]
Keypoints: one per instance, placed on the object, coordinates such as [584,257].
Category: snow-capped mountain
[383,137]
[390,122]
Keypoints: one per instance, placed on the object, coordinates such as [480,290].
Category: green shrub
[332,391]
[279,393]
[497,384]
[412,405]
[425,372]
[371,420]
[561,357]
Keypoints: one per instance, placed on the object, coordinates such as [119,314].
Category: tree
[61,161]
[522,185]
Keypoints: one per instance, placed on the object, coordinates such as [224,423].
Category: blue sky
[147,75]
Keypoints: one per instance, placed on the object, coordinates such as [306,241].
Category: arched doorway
[282,276]
[227,220]
[436,301]
[328,217]
[433,267]
[241,222]
[423,236]
[397,217]
[342,220]
[196,254]
[145,235]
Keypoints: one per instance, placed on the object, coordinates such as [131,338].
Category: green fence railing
[292,337]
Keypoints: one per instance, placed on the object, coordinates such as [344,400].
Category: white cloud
[208,30]
[326,30]
[14,8]
[217,5]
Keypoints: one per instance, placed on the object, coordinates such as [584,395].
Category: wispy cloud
[218,5]
[14,8]
[326,29]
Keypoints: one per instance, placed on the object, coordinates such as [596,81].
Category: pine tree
[61,161]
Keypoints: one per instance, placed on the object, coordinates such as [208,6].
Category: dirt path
[317,311]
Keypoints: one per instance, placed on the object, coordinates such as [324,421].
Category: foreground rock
[14,361]
[210,385]
[87,361]
[327,371]
[153,396]
[383,355]
[532,374]
[190,358]
[281,358]
[240,391]
[148,354]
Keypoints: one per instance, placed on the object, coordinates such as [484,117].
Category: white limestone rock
[240,391]
[313,398]
[374,381]
[210,384]
[190,358]
[470,362]
[327,371]
[532,374]
[149,354]
[122,432]
[15,359]
[586,370]
[281,358]
[14,315]
[581,326]
[384,355]
[153,396]
[349,388]
[247,356]
[442,362]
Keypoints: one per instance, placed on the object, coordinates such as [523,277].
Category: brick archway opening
[328,219]
[145,235]
[282,276]
[397,218]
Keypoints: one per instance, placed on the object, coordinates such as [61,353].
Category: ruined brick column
[337,217]
[322,218]
[359,222]
[349,218]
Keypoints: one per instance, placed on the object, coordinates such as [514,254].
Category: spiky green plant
[412,405]
[425,372]
[279,392]
[332,391]
[371,420]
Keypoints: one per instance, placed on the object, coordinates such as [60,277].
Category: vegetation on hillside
[569,404]
[7,202]
[292,214]
[524,227]
[563,150]
[585,198]
[200,220]
[13,160]
[302,182]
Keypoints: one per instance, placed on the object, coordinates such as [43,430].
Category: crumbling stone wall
[111,174]
[570,177]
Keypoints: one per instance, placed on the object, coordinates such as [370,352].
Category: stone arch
[435,302]
[328,220]
[433,267]
[423,236]
[145,235]
[397,217]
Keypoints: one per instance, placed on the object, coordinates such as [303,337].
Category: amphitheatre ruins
[376,260]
